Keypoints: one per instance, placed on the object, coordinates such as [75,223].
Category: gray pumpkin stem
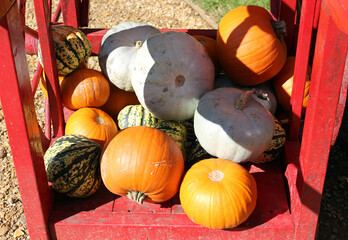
[243,98]
[137,196]
[279,28]
[138,44]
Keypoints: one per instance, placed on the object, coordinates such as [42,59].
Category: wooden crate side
[22,125]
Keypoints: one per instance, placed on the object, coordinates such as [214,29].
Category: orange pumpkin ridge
[218,194]
[85,88]
[283,83]
[249,51]
[210,45]
[117,100]
[143,163]
[92,123]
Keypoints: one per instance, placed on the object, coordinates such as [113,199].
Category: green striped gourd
[191,137]
[176,130]
[275,147]
[72,165]
[71,47]
[135,115]
[196,154]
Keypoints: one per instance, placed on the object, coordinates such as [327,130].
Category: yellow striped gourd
[135,115]
[71,47]
[72,165]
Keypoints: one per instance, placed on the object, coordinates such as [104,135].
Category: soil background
[173,14]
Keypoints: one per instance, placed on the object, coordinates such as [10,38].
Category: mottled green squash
[72,165]
[196,154]
[191,137]
[275,147]
[71,47]
[176,130]
[135,115]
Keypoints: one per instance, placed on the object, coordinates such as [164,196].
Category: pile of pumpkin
[173,113]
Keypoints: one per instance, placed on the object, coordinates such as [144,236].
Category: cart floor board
[107,216]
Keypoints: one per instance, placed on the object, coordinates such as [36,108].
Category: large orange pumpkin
[117,100]
[210,45]
[249,50]
[142,163]
[85,88]
[218,193]
[92,123]
[283,82]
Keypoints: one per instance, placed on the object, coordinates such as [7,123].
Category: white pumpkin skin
[171,72]
[264,93]
[118,49]
[230,133]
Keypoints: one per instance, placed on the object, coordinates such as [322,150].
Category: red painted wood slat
[287,13]
[50,65]
[127,219]
[95,36]
[301,63]
[22,126]
[328,68]
[71,10]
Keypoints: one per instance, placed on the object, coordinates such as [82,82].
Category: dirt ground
[173,14]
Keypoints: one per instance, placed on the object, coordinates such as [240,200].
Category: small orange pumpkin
[85,88]
[92,123]
[218,194]
[249,50]
[142,163]
[117,100]
[283,82]
[210,46]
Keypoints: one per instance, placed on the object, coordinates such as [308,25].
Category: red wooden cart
[289,190]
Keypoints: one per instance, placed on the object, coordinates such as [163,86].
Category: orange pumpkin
[117,100]
[218,193]
[142,163]
[85,88]
[249,50]
[283,82]
[210,46]
[43,85]
[92,123]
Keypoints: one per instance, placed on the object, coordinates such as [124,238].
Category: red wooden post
[42,13]
[300,71]
[328,69]
[21,122]
[71,10]
[84,13]
[287,12]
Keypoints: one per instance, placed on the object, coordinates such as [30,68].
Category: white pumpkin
[264,93]
[118,49]
[171,72]
[232,125]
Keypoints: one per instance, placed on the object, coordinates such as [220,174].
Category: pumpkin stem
[100,120]
[279,28]
[138,44]
[137,196]
[243,98]
[179,80]
[261,95]
[216,176]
